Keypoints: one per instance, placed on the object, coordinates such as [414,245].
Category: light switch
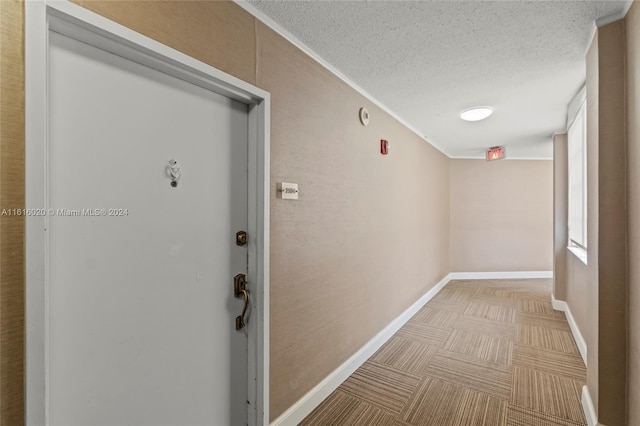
[289,191]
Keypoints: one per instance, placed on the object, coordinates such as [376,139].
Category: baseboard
[500,275]
[560,305]
[301,409]
[588,408]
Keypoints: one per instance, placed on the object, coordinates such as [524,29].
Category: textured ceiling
[428,60]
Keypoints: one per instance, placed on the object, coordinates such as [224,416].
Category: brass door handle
[240,318]
[240,290]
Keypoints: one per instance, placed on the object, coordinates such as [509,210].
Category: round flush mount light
[476,113]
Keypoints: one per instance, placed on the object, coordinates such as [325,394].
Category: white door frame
[61,16]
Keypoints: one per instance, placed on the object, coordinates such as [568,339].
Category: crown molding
[606,20]
[249,8]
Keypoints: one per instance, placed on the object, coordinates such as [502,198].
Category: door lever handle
[240,318]
[240,290]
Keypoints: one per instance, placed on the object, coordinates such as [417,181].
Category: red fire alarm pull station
[495,153]
[384,147]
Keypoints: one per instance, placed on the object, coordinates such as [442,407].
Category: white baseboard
[560,305]
[500,275]
[305,405]
[588,408]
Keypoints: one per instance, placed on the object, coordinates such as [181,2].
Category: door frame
[62,16]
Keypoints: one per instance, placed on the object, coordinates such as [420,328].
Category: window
[577,150]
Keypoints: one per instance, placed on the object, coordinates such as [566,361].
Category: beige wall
[612,226]
[577,296]
[365,224]
[633,201]
[11,227]
[570,274]
[501,215]
[370,233]
[591,333]
[560,215]
[597,294]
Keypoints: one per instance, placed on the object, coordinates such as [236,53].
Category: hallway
[405,281]
[481,352]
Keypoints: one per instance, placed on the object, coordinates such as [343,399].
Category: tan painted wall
[612,226]
[365,224]
[577,278]
[501,215]
[218,33]
[11,227]
[633,201]
[570,274]
[591,333]
[597,293]
[560,215]
[369,234]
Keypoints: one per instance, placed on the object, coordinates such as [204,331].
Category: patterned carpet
[482,352]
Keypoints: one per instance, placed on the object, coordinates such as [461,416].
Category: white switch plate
[289,191]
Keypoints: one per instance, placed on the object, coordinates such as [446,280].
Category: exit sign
[495,153]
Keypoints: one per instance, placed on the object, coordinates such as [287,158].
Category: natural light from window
[577,150]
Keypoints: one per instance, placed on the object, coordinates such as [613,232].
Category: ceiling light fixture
[476,113]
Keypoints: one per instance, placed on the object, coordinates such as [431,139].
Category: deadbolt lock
[241,238]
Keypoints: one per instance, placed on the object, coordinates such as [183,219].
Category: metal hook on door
[174,172]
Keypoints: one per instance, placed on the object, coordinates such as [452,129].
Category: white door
[141,317]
